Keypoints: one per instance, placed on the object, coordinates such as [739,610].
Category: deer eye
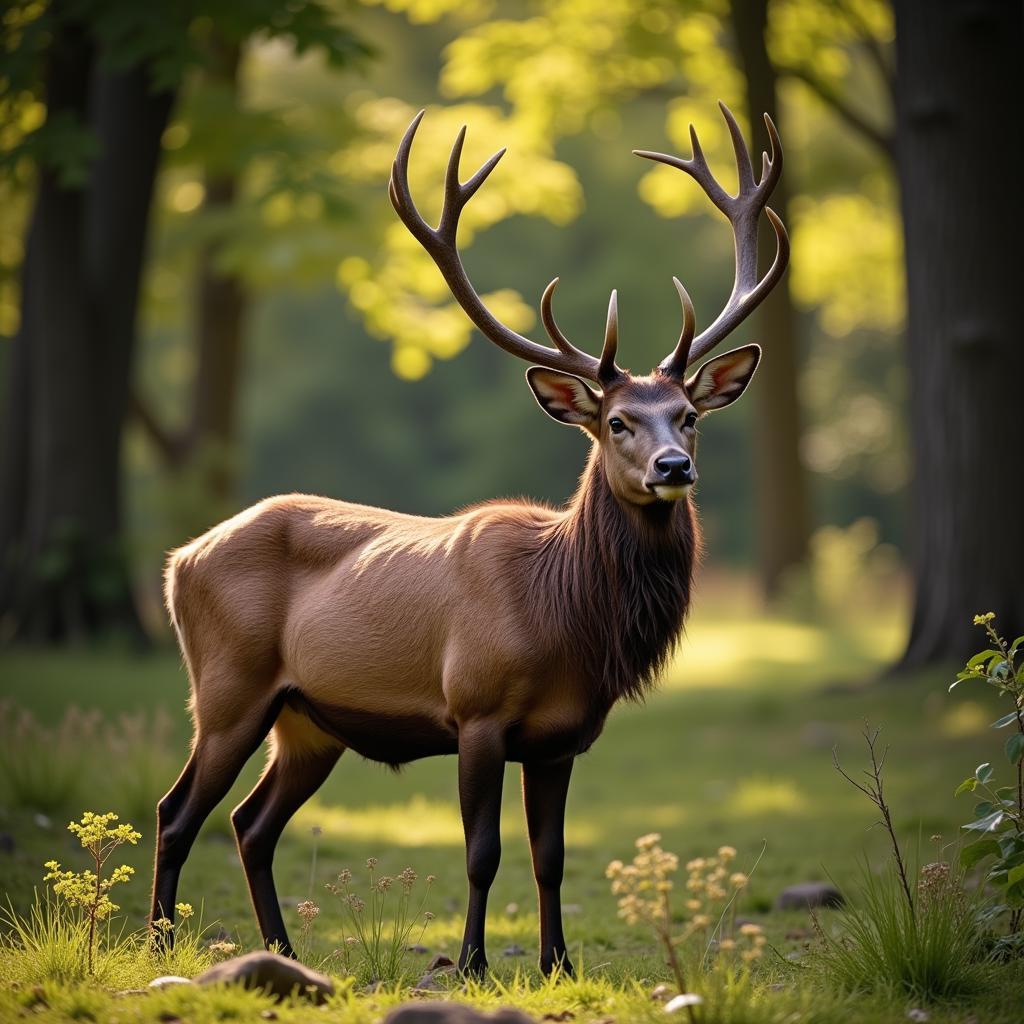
[615,425]
[691,420]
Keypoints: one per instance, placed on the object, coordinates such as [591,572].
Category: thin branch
[875,792]
[881,139]
[172,447]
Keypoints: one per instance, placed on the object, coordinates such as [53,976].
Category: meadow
[735,748]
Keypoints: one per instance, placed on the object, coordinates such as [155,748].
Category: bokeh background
[205,297]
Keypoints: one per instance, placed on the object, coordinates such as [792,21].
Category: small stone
[169,981]
[514,950]
[42,821]
[511,909]
[681,1002]
[918,1015]
[417,948]
[428,983]
[440,963]
[661,993]
[440,1012]
[278,975]
[807,895]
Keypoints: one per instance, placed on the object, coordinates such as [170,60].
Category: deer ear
[565,398]
[720,381]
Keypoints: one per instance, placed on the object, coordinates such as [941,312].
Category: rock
[428,983]
[511,909]
[42,821]
[277,975]
[439,1012]
[417,948]
[514,950]
[7,843]
[807,895]
[169,981]
[440,963]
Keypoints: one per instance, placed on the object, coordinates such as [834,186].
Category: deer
[502,633]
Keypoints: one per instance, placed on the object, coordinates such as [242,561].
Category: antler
[440,244]
[743,211]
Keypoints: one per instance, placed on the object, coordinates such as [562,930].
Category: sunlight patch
[764,796]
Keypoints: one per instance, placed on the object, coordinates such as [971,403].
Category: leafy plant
[999,818]
[383,951]
[645,887]
[88,890]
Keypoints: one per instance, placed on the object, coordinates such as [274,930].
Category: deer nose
[676,468]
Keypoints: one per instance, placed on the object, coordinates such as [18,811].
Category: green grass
[734,748]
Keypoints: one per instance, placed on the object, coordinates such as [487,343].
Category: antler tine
[675,364]
[607,371]
[440,244]
[743,211]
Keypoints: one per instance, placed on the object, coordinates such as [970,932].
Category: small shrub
[381,950]
[999,817]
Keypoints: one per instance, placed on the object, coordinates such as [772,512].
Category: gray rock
[417,948]
[440,962]
[807,895]
[277,975]
[440,1012]
[428,983]
[514,950]
[169,981]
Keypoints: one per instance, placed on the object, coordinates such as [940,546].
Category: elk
[505,632]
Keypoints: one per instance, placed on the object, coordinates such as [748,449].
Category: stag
[503,633]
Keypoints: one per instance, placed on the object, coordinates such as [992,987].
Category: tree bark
[781,498]
[63,568]
[959,89]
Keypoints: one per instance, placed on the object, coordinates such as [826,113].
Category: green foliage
[928,949]
[999,817]
[381,926]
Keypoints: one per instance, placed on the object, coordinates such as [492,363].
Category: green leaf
[970,855]
[983,772]
[987,824]
[981,657]
[969,785]
[999,723]
[1015,747]
[985,807]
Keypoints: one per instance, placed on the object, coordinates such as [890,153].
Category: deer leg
[544,791]
[289,781]
[217,758]
[481,772]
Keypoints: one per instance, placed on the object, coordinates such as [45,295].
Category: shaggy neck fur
[613,584]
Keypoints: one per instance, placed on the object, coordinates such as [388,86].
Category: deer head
[645,425]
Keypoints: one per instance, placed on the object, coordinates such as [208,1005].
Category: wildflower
[384,883]
[727,852]
[427,915]
[696,864]
[356,903]
[316,830]
[984,620]
[613,869]
[701,921]
[307,910]
[162,925]
[371,862]
[407,877]
[222,949]
[431,879]
[693,904]
[737,879]
[750,955]
[727,945]
[750,929]
[184,910]
[344,876]
[648,841]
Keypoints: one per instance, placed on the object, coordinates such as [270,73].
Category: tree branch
[172,447]
[877,136]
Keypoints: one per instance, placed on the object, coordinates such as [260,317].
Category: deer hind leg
[223,743]
[481,773]
[302,758]
[545,787]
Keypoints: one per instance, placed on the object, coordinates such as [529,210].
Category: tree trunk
[63,567]
[781,501]
[959,151]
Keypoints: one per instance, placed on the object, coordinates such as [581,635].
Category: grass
[734,748]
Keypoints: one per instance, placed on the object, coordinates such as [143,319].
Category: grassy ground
[734,749]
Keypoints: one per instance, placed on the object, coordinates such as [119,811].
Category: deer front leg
[481,771]
[544,791]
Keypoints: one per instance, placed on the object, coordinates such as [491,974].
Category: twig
[875,792]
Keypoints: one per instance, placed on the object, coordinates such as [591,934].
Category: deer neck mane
[613,584]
